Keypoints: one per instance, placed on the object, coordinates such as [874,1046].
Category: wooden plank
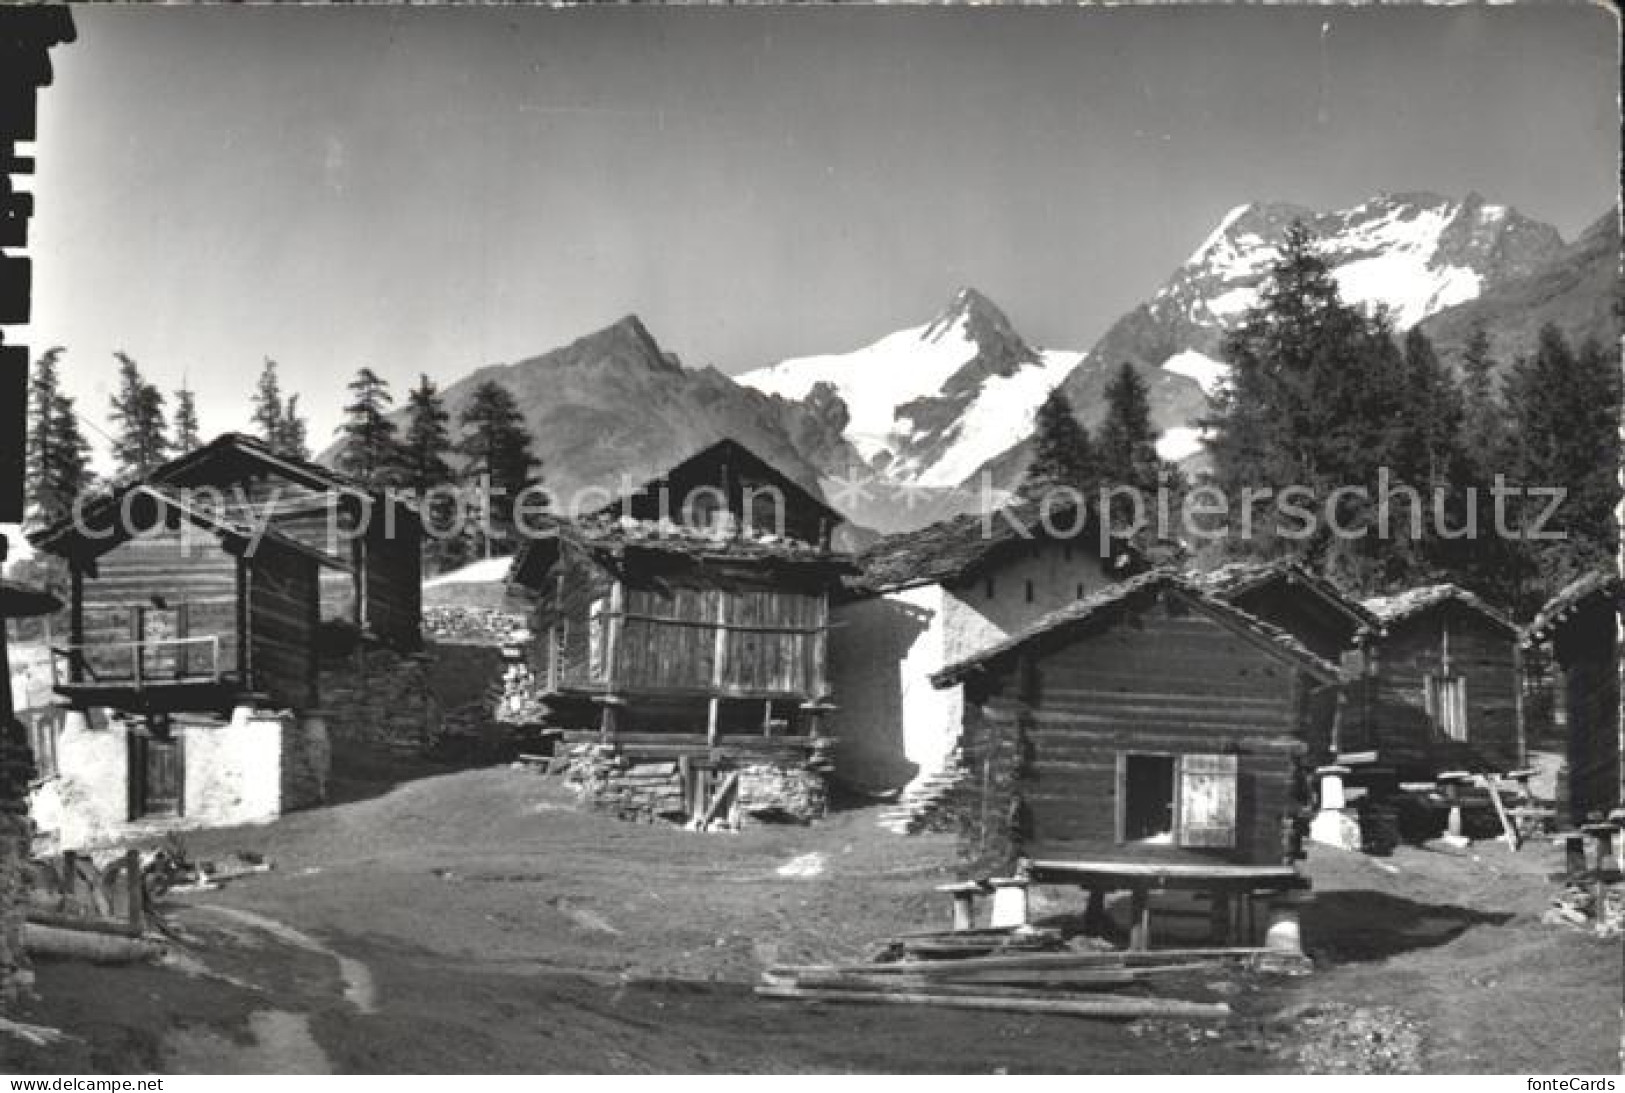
[1032,962]
[1113,1008]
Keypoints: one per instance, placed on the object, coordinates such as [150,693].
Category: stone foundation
[648,790]
[375,697]
[247,769]
[16,832]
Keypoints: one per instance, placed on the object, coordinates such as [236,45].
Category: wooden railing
[145,665]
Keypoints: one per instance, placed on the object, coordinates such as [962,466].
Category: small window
[1080,590]
[990,588]
[1185,799]
[1031,592]
[1148,798]
[1445,699]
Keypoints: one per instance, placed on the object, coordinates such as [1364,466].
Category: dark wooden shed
[688,622]
[1442,690]
[1149,722]
[372,539]
[1580,623]
[174,608]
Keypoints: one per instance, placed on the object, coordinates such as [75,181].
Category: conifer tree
[1064,456]
[496,447]
[428,439]
[140,442]
[1128,444]
[268,404]
[187,437]
[368,446]
[57,462]
[1483,424]
[279,422]
[1564,408]
[291,435]
[426,471]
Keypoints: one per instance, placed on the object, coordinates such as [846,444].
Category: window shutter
[1207,800]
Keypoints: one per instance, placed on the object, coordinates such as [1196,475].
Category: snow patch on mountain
[875,380]
[1001,415]
[1180,442]
[1199,367]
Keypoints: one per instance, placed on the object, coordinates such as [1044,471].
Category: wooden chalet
[692,627]
[1442,689]
[1146,723]
[370,541]
[1580,624]
[1288,595]
[177,608]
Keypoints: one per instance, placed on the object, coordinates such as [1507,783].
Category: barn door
[1207,800]
[157,775]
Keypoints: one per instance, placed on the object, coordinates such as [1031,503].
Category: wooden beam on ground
[1033,961]
[1509,831]
[1075,1007]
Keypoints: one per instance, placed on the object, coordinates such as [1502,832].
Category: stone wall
[648,790]
[16,832]
[375,697]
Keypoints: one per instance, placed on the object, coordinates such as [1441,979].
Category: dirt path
[477,922]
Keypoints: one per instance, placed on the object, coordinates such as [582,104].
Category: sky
[428,190]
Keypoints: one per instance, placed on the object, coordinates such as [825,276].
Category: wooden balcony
[162,673]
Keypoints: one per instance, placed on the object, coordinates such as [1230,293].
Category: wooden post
[1140,930]
[1095,921]
[1222,926]
[137,909]
[70,873]
[719,656]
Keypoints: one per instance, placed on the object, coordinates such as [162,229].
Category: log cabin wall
[1585,649]
[392,576]
[188,571]
[1448,642]
[1047,747]
[282,618]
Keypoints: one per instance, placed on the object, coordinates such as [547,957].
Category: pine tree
[140,443]
[428,439]
[278,421]
[1128,444]
[1064,457]
[1316,400]
[57,467]
[187,437]
[425,471]
[291,439]
[268,404]
[1564,408]
[1483,424]
[368,446]
[496,446]
[1430,424]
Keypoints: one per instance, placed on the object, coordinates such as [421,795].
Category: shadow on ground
[1354,925]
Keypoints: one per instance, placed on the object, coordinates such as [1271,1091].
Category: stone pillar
[1010,907]
[1334,823]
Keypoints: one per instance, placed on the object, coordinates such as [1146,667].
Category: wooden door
[157,775]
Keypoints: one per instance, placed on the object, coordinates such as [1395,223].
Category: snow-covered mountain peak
[930,404]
